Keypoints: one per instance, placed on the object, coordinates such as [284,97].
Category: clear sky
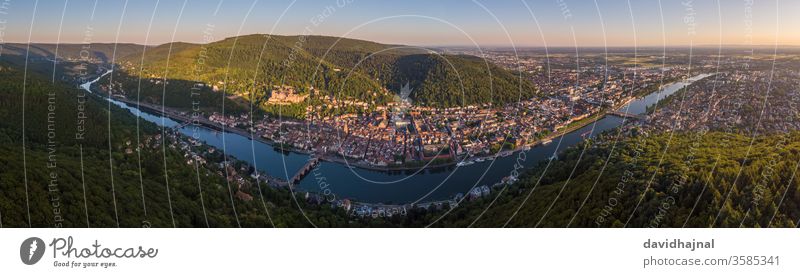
[413,22]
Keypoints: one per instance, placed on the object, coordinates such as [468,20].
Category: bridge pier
[313,162]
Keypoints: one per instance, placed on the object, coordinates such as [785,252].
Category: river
[413,186]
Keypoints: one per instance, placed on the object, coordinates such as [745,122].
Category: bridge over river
[628,115]
[312,162]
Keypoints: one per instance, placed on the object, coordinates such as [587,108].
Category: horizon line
[760,46]
[486,46]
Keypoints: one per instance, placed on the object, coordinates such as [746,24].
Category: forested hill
[102,52]
[251,65]
[76,63]
[700,181]
[451,81]
[238,66]
[83,162]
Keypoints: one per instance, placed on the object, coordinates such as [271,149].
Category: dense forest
[93,181]
[456,81]
[96,52]
[687,180]
[251,66]
[439,80]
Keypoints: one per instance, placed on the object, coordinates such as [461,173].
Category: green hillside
[249,66]
[686,188]
[76,63]
[234,65]
[452,81]
[106,156]
[103,52]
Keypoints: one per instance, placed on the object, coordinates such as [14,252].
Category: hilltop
[102,52]
[323,68]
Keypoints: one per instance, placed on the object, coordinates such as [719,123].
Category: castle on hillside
[282,95]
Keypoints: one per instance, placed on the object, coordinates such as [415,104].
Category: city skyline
[475,23]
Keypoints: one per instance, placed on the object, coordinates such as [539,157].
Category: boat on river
[460,164]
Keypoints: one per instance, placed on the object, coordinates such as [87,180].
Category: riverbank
[362,183]
[180,117]
[389,168]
